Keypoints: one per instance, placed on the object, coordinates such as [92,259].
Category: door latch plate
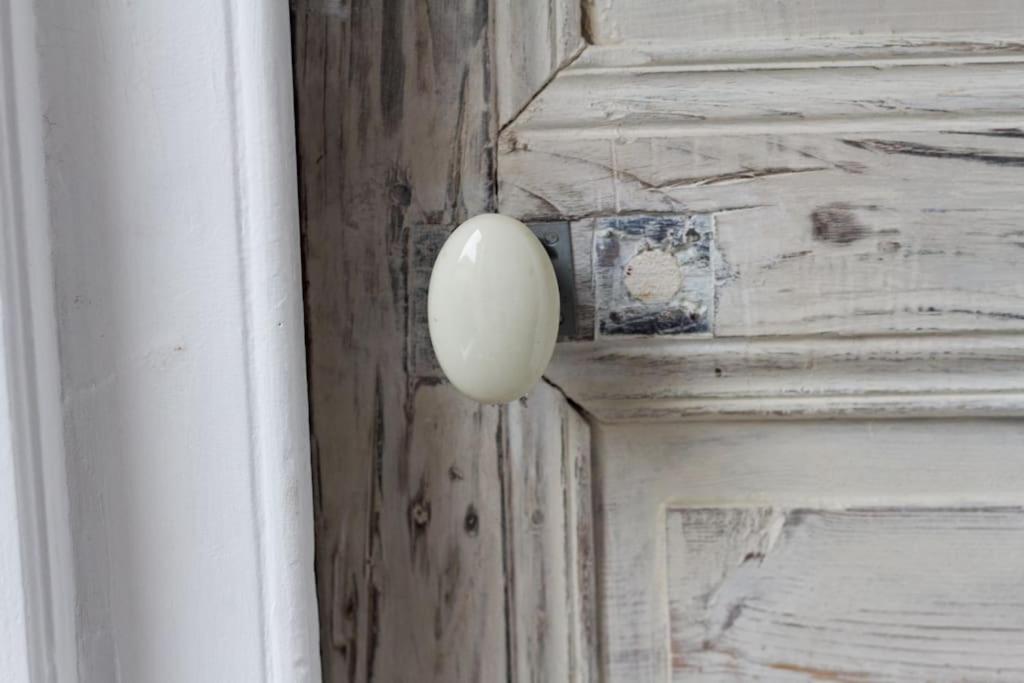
[557,240]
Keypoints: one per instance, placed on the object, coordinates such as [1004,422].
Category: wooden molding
[710,21]
[533,40]
[866,279]
[37,571]
[811,377]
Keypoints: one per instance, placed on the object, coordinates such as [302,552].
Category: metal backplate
[557,240]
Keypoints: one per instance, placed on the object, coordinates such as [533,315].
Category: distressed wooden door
[785,441]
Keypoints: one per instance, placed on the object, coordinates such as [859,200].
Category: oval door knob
[492,308]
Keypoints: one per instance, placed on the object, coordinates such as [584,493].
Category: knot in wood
[420,514]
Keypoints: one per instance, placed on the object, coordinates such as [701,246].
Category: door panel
[879,593]
[798,536]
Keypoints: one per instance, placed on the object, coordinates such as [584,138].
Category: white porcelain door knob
[493,308]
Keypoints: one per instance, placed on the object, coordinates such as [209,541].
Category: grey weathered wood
[612,21]
[396,130]
[873,593]
[425,243]
[394,124]
[437,579]
[533,39]
[643,470]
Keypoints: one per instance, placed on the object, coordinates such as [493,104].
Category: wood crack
[936,152]
[568,62]
[734,177]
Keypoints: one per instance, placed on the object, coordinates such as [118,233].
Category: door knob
[493,308]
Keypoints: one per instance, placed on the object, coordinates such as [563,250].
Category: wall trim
[32,415]
[31,368]
[268,230]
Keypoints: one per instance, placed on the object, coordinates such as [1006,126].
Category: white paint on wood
[169,188]
[880,377]
[837,199]
[611,21]
[427,570]
[839,196]
[550,540]
[780,54]
[533,39]
[640,101]
[881,594]
[642,470]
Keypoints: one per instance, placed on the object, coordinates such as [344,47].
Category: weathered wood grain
[642,470]
[612,21]
[846,201]
[880,377]
[550,541]
[436,595]
[532,40]
[880,594]
[773,54]
[396,130]
[637,101]
[394,123]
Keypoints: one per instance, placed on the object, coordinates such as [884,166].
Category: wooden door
[785,442]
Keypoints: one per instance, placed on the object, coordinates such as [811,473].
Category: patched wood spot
[652,277]
[837,223]
[471,522]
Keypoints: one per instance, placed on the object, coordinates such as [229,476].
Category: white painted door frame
[154,455]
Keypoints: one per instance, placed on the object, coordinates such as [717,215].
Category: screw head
[550,238]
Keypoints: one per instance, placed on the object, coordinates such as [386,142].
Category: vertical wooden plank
[438,582]
[550,541]
[417,488]
[394,114]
